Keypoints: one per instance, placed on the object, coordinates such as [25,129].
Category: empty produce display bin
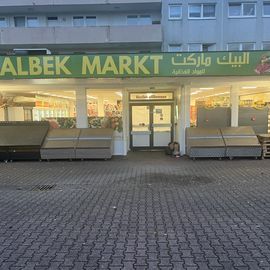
[205,142]
[241,142]
[60,144]
[22,140]
[94,144]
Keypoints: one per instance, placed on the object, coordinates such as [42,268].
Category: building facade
[208,25]
[135,26]
[82,26]
[147,104]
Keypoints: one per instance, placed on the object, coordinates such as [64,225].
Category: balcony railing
[81,35]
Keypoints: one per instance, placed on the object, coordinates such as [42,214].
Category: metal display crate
[265,142]
[82,143]
[22,140]
[94,144]
[241,142]
[205,142]
[60,144]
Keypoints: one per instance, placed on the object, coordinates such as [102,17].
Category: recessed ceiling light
[249,87]
[91,97]
[207,88]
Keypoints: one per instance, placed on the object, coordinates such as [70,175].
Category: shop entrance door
[151,126]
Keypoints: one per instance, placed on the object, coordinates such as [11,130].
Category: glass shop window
[105,109]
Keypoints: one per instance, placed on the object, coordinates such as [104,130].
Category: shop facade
[148,99]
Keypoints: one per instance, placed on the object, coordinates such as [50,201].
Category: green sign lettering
[136,65]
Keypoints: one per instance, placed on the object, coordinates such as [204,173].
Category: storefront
[151,119]
[148,99]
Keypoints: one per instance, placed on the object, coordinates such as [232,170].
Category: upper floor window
[132,19]
[52,21]
[247,46]
[242,9]
[139,20]
[90,20]
[32,22]
[266,9]
[174,48]
[3,22]
[201,47]
[84,20]
[175,12]
[145,20]
[19,21]
[22,21]
[78,21]
[208,47]
[199,11]
[266,46]
[195,47]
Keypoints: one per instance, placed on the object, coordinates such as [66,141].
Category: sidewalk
[145,211]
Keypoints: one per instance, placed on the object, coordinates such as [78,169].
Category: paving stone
[147,211]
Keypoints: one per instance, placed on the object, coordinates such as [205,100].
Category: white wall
[2,114]
[15,114]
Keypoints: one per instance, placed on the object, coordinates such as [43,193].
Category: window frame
[132,15]
[47,21]
[144,16]
[263,14]
[209,45]
[19,16]
[26,22]
[253,43]
[90,16]
[83,16]
[169,13]
[6,21]
[242,10]
[201,45]
[138,17]
[175,45]
[264,43]
[241,45]
[201,12]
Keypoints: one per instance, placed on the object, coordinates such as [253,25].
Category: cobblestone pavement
[146,211]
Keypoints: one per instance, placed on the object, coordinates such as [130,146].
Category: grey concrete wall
[113,13]
[5,3]
[221,30]
[102,18]
[111,26]
[79,35]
